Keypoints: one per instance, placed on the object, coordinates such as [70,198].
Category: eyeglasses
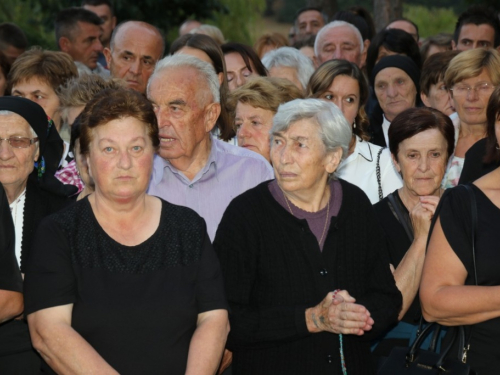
[481,89]
[19,142]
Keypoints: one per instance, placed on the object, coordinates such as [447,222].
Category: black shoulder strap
[399,214]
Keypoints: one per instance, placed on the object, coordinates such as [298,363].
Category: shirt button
[323,272]
[329,358]
[191,186]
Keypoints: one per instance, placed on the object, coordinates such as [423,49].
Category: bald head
[135,48]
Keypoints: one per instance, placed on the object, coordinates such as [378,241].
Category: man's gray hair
[204,69]
[334,130]
[291,58]
[333,25]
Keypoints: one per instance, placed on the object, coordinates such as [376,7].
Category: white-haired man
[193,168]
[340,40]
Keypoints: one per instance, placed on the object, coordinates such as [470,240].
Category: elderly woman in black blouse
[304,280]
[123,282]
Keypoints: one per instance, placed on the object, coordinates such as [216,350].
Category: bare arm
[11,304]
[445,298]
[61,346]
[208,342]
[409,270]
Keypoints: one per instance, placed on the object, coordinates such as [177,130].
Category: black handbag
[415,361]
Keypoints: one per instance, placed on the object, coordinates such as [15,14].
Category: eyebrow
[177,102]
[299,138]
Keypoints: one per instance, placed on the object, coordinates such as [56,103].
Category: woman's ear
[333,160]
[395,162]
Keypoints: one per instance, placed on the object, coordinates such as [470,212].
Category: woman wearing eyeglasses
[471,76]
[23,140]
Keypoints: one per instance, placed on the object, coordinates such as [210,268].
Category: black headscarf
[401,62]
[51,146]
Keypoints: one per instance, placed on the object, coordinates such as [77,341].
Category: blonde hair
[471,63]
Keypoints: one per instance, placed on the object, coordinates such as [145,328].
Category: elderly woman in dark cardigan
[308,285]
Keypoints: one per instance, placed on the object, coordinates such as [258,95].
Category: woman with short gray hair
[303,278]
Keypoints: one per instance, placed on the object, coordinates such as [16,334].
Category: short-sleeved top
[456,221]
[136,305]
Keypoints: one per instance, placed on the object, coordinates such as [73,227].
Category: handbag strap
[399,213]
[379,177]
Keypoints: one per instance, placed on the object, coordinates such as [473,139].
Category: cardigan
[274,270]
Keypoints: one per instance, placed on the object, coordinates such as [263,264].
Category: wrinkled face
[471,106]
[136,50]
[395,91]
[252,128]
[299,159]
[405,26]
[344,93]
[109,21]
[309,23]
[475,36]
[422,162]
[237,72]
[439,98]
[288,73]
[15,163]
[181,100]
[341,43]
[85,45]
[43,94]
[120,159]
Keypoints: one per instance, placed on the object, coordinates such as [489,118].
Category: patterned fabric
[453,173]
[69,176]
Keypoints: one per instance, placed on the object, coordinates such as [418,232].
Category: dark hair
[306,9]
[405,20]
[67,21]
[365,14]
[4,65]
[212,49]
[434,69]
[416,120]
[95,3]
[113,104]
[12,35]
[492,115]
[394,40]
[478,15]
[355,20]
[76,130]
[248,55]
[322,79]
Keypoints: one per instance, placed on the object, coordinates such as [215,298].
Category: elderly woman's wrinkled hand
[338,313]
[422,214]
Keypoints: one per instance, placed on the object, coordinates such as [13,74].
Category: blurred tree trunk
[328,6]
[384,11]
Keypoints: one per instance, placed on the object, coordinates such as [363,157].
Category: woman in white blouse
[367,166]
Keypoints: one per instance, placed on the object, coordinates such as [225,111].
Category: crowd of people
[292,207]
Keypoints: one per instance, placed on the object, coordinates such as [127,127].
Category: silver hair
[333,25]
[334,130]
[291,58]
[204,69]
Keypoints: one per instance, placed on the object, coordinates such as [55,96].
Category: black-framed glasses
[20,142]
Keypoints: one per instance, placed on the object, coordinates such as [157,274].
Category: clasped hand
[339,314]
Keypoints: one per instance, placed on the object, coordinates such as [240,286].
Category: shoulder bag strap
[379,178]
[401,217]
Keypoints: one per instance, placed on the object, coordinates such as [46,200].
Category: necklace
[326,218]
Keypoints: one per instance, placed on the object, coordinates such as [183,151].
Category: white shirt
[360,169]
[17,211]
[385,130]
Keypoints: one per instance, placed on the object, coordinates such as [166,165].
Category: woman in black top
[447,291]
[421,142]
[123,282]
[308,286]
